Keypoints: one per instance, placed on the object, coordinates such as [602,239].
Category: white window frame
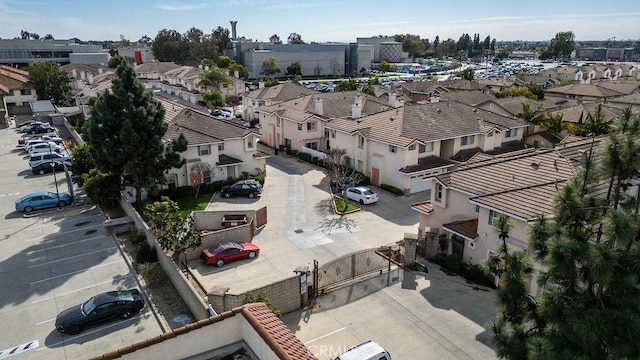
[361,141]
[299,127]
[393,149]
[438,192]
[312,126]
[511,133]
[467,140]
[204,150]
[221,147]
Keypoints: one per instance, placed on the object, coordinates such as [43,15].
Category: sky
[324,21]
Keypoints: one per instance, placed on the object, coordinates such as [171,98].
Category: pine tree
[125,133]
[589,256]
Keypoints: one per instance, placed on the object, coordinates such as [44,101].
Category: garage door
[420,183]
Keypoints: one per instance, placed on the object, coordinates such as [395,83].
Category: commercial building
[19,52]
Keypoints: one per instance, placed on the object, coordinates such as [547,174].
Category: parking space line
[76,290]
[324,336]
[76,272]
[72,257]
[63,245]
[18,349]
[84,228]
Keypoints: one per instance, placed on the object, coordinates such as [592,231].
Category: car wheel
[75,330]
[28,209]
[219,263]
[361,202]
[252,195]
[41,172]
[126,314]
[252,254]
[227,195]
[61,203]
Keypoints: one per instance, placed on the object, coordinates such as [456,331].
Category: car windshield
[368,192]
[89,306]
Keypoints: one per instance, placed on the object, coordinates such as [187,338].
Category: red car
[229,251]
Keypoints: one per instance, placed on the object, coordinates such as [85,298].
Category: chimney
[83,75]
[318,105]
[100,70]
[73,73]
[260,84]
[356,108]
[236,74]
[233,29]
[393,100]
[90,78]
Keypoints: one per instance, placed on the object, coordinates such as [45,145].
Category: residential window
[537,144]
[438,192]
[412,147]
[468,140]
[511,133]
[393,149]
[204,150]
[25,92]
[311,126]
[312,145]
[206,178]
[221,147]
[360,141]
[492,214]
[278,122]
[490,134]
[422,148]
[477,208]
[428,147]
[299,127]
[172,180]
[250,143]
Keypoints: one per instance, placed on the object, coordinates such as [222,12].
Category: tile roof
[334,105]
[159,67]
[385,126]
[224,160]
[469,97]
[268,326]
[624,87]
[460,84]
[427,163]
[466,228]
[631,99]
[198,127]
[275,333]
[13,79]
[583,90]
[514,104]
[423,87]
[281,92]
[448,120]
[425,207]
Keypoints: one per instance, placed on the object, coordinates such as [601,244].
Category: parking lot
[54,259]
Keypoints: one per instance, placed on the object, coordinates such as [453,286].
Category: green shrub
[137,237]
[453,263]
[260,297]
[392,189]
[260,177]
[314,160]
[294,152]
[145,253]
[320,162]
[304,156]
[481,274]
[151,272]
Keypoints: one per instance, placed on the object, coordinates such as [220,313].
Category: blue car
[42,200]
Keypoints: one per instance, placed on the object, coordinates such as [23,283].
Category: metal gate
[261,217]
[346,268]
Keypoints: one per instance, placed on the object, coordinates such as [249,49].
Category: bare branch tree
[338,170]
[198,172]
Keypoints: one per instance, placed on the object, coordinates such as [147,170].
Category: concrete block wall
[284,295]
[212,220]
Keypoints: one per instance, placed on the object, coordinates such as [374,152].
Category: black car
[47,167]
[241,188]
[100,308]
[38,128]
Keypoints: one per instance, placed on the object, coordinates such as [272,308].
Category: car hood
[71,315]
[250,247]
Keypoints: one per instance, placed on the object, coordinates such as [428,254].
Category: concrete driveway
[301,226]
[412,315]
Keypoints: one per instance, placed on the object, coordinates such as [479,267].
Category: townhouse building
[16,92]
[458,219]
[229,148]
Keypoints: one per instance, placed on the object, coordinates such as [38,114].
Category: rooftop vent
[535,165]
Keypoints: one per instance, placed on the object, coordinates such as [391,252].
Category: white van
[368,350]
[37,159]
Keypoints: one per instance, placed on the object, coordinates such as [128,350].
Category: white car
[362,194]
[45,148]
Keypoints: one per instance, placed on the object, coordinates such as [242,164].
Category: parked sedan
[100,308]
[362,194]
[42,200]
[229,251]
[47,167]
[241,188]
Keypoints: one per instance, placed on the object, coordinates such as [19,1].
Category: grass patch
[187,204]
[342,207]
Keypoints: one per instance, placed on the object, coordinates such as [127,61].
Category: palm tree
[554,124]
[595,124]
[213,78]
[531,116]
